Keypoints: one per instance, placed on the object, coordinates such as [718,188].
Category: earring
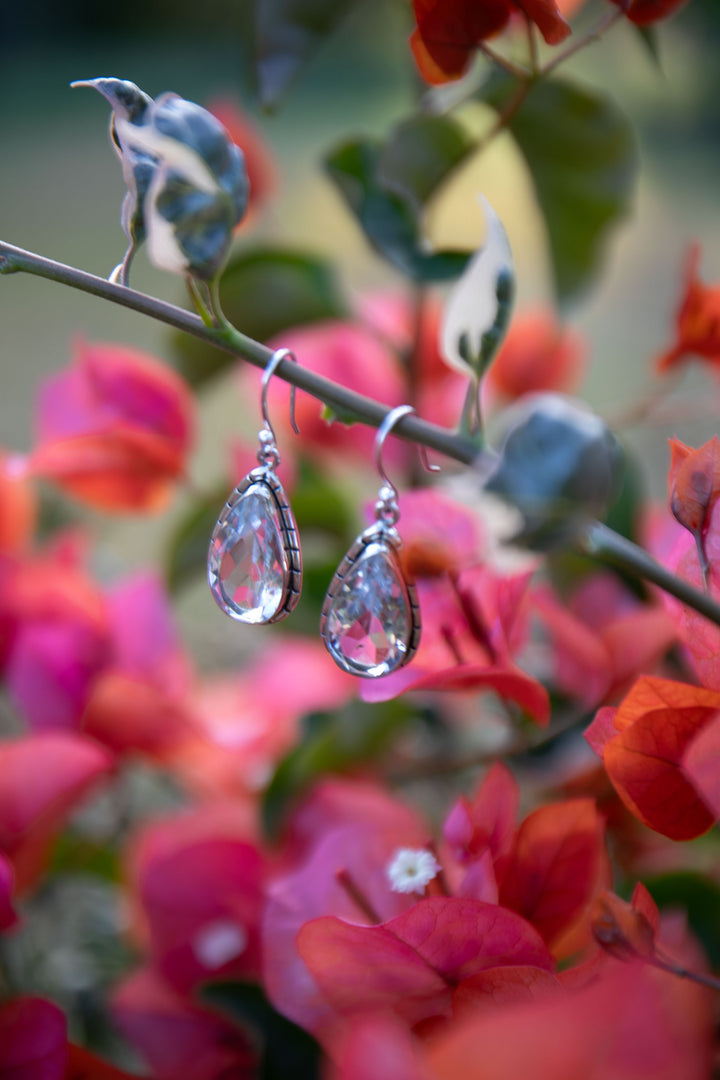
[254,560]
[370,619]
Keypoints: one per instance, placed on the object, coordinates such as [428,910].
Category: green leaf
[286,1050]
[420,154]
[332,743]
[74,853]
[580,151]
[384,198]
[287,33]
[264,292]
[318,503]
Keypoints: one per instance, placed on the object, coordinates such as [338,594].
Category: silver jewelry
[254,560]
[370,619]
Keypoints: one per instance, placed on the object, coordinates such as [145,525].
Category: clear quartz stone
[369,622]
[247,563]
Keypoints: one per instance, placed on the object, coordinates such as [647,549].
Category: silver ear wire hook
[272,364]
[254,559]
[370,620]
[389,422]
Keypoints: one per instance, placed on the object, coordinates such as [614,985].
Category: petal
[496,987]
[655,725]
[175,1036]
[120,470]
[33,1041]
[42,779]
[555,867]
[701,764]
[410,964]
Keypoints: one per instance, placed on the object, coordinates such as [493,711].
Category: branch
[597,540]
[607,546]
[605,24]
[341,400]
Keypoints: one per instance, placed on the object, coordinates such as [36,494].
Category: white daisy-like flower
[410,870]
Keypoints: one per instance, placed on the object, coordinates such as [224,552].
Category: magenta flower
[176,1036]
[198,882]
[114,429]
[345,833]
[473,624]
[42,779]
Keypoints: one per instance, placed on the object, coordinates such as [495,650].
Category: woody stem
[596,540]
[341,400]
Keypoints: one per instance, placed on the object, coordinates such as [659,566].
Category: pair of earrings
[370,621]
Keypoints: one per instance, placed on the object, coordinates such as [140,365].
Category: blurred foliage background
[60,195]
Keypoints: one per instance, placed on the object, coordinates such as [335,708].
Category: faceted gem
[247,563]
[369,621]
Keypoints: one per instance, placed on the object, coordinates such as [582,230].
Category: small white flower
[411,869]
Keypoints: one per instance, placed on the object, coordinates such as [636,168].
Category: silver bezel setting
[292,557]
[384,537]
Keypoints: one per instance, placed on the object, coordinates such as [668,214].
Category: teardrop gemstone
[248,565]
[369,620]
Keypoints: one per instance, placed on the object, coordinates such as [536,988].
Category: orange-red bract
[537,354]
[114,429]
[643,743]
[411,964]
[501,986]
[630,1023]
[699,565]
[118,470]
[702,764]
[377,1047]
[486,821]
[555,867]
[42,778]
[129,715]
[626,931]
[18,506]
[698,319]
[449,31]
[694,483]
